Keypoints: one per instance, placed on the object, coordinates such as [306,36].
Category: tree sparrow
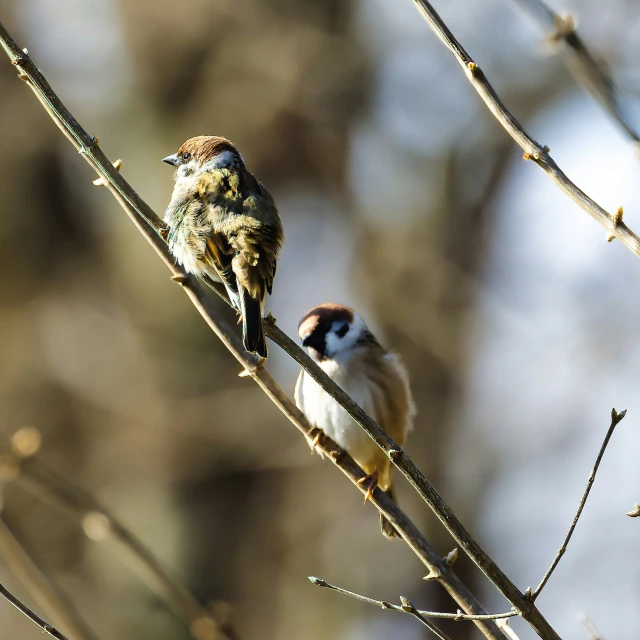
[339,341]
[224,224]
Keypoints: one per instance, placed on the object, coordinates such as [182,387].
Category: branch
[151,226]
[591,629]
[319,582]
[44,591]
[613,223]
[99,524]
[585,67]
[20,606]
[616,418]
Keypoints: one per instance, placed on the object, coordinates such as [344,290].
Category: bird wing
[219,255]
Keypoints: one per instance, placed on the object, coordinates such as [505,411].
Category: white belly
[325,413]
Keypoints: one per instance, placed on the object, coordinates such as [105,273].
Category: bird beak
[172,160]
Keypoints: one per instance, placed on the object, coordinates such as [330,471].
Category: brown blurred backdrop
[398,194]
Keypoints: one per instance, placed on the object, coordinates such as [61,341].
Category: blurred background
[401,197]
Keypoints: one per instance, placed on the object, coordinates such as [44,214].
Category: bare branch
[20,606]
[532,149]
[44,591]
[152,228]
[319,582]
[583,64]
[616,418]
[100,525]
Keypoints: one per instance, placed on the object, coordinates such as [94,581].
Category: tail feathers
[252,333]
[388,530]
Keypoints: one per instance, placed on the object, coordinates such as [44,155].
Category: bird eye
[186,155]
[342,330]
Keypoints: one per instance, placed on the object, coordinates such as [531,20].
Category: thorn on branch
[451,557]
[101,182]
[433,574]
[635,513]
[617,217]
[180,278]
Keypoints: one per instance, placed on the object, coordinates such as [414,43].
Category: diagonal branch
[583,64]
[151,226]
[533,150]
[616,418]
[43,589]
[35,477]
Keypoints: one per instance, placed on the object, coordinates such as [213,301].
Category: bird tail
[252,333]
[388,530]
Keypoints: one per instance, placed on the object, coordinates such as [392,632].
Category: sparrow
[224,225]
[337,338]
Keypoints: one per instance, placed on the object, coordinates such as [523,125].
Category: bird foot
[317,439]
[371,482]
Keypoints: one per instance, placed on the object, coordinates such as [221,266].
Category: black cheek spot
[342,331]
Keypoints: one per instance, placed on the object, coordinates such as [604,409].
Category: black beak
[172,160]
[315,340]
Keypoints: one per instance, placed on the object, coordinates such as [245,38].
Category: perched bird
[224,225]
[339,341]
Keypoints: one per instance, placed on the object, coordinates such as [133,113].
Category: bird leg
[371,481]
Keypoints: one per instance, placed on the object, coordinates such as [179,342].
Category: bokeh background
[400,197]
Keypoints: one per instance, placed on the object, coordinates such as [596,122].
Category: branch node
[610,237]
[270,318]
[473,68]
[528,594]
[386,605]
[406,605]
[394,454]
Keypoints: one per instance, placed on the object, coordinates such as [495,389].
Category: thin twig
[616,418]
[613,223]
[151,226]
[99,524]
[319,582]
[583,64]
[50,598]
[34,617]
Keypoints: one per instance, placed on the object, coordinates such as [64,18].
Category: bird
[338,339]
[223,225]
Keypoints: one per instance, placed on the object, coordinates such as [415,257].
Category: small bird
[338,340]
[224,225]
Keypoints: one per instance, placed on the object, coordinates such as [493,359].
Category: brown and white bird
[224,225]
[338,340]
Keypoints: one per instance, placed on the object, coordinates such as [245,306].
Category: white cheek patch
[336,345]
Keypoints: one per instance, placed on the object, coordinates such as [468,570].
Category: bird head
[332,331]
[204,153]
